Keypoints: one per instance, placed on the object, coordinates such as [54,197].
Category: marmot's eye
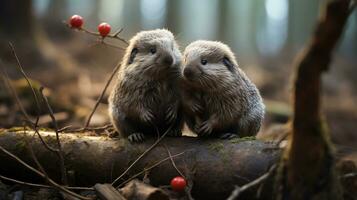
[132,55]
[203,61]
[152,50]
[228,64]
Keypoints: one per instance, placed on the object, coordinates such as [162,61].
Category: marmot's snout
[190,72]
[166,59]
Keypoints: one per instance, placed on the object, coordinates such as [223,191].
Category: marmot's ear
[228,64]
[132,55]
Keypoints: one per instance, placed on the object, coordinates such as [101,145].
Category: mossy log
[215,166]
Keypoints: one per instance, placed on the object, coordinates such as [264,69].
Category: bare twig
[102,41]
[44,142]
[14,94]
[189,178]
[115,70]
[33,156]
[28,82]
[173,162]
[53,183]
[63,129]
[26,116]
[34,125]
[147,169]
[239,190]
[41,185]
[29,145]
[114,36]
[143,154]
[99,128]
[118,32]
[59,146]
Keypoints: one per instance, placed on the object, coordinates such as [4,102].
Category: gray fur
[146,95]
[218,99]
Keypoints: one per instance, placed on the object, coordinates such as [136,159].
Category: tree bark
[215,166]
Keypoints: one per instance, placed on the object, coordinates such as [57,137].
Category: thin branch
[118,32]
[99,128]
[14,94]
[63,129]
[114,36]
[44,142]
[115,70]
[102,41]
[239,190]
[29,145]
[189,178]
[59,146]
[53,183]
[28,82]
[147,169]
[143,154]
[41,185]
[19,104]
[173,162]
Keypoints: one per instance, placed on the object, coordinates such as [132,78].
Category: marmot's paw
[175,133]
[196,107]
[228,136]
[205,129]
[171,115]
[136,137]
[147,116]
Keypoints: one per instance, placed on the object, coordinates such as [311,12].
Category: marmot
[145,98]
[218,98]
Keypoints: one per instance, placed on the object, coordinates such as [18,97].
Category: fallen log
[215,166]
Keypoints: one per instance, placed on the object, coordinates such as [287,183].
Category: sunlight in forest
[273,33]
[198,19]
[153,13]
[112,9]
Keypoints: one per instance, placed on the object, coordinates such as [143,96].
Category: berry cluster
[77,22]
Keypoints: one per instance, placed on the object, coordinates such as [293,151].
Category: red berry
[104,29]
[178,183]
[76,21]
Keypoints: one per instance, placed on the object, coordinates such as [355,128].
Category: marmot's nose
[188,72]
[167,60]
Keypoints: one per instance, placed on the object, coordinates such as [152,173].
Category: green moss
[218,147]
[16,129]
[20,145]
[237,140]
[50,140]
[45,129]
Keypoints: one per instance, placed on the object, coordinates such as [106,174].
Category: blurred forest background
[265,35]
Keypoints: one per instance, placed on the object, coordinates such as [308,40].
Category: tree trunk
[307,170]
